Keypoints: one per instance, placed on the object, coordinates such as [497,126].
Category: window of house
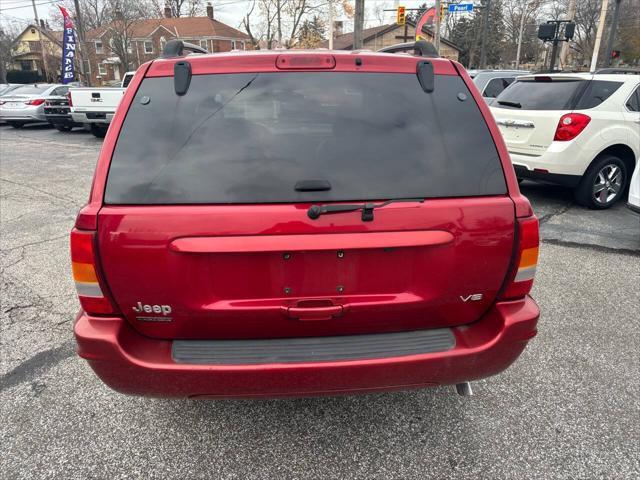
[148,46]
[203,44]
[233,44]
[99,48]
[87,66]
[26,65]
[102,69]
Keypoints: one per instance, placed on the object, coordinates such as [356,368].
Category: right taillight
[85,274]
[524,267]
[570,125]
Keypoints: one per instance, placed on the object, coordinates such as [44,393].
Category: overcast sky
[230,12]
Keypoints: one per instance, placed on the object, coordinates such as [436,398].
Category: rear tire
[603,184]
[16,124]
[98,130]
[63,128]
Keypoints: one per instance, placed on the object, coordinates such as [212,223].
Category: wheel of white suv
[603,184]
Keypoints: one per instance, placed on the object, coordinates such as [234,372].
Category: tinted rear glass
[496,86]
[249,138]
[596,92]
[540,95]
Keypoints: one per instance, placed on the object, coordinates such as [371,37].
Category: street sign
[461,7]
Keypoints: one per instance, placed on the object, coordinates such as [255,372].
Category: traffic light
[443,10]
[401,17]
[569,30]
[547,31]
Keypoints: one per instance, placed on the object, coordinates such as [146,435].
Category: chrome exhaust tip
[464,389]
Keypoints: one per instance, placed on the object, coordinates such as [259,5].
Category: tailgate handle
[314,313]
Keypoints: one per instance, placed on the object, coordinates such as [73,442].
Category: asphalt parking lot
[567,409]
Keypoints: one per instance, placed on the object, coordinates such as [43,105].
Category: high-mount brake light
[35,102]
[85,275]
[524,268]
[570,126]
[305,62]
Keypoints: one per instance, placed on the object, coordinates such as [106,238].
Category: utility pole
[523,15]
[612,32]
[44,56]
[358,25]
[278,12]
[330,24]
[485,28]
[596,46]
[436,28]
[564,51]
[81,50]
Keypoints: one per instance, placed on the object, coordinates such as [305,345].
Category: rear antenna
[181,77]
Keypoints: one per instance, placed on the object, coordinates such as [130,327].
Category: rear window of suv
[540,94]
[557,94]
[250,137]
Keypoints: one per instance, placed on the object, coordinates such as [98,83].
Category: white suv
[581,130]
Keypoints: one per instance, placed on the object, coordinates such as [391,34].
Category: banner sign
[68,47]
[427,18]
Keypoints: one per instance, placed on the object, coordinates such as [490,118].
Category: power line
[29,5]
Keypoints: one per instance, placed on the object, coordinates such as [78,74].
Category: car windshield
[252,137]
[30,89]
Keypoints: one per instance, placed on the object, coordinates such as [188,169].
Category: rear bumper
[92,117]
[26,117]
[571,181]
[59,119]
[131,363]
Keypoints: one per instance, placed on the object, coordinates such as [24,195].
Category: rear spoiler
[176,48]
[421,48]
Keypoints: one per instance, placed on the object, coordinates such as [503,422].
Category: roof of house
[54,36]
[345,41]
[183,27]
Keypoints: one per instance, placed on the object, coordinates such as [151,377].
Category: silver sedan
[25,104]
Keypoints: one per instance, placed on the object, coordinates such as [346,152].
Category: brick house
[146,39]
[386,35]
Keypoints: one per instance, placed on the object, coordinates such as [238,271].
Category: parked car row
[63,106]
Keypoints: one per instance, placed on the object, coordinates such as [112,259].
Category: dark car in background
[491,83]
[57,111]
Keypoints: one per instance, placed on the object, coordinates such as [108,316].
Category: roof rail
[420,48]
[176,48]
[617,71]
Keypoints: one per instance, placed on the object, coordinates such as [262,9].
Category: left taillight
[69,99]
[526,261]
[35,101]
[570,126]
[85,274]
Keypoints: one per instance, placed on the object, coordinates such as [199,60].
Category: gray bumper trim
[313,349]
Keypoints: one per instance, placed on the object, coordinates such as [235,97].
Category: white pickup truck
[96,106]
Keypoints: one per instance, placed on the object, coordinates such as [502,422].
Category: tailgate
[529,132]
[102,99]
[270,271]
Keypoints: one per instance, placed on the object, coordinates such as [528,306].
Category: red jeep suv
[290,223]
